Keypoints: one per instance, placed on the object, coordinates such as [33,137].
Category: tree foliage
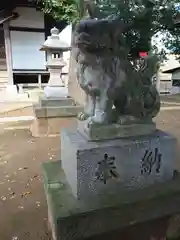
[61,9]
[146,18]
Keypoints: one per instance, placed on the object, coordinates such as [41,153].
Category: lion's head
[99,36]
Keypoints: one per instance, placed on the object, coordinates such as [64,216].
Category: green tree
[67,10]
[146,18]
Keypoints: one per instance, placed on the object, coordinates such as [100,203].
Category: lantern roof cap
[53,42]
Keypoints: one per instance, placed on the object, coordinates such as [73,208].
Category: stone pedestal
[142,214]
[96,132]
[122,188]
[56,87]
[103,167]
[50,113]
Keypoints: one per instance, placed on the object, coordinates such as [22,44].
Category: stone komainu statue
[114,87]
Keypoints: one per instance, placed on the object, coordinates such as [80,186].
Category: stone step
[16,119]
[56,102]
[3,84]
[3,74]
[3,81]
[2,60]
[58,111]
[3,78]
[3,64]
[3,67]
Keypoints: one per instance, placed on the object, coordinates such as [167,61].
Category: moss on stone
[113,210]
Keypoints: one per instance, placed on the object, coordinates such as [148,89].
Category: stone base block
[56,107]
[50,127]
[94,168]
[95,132]
[55,91]
[53,112]
[130,215]
[56,102]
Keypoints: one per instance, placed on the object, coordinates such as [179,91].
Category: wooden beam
[8,53]
[11,17]
[27,29]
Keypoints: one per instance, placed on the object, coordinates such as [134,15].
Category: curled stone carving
[116,90]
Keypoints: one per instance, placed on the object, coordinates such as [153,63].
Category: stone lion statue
[115,89]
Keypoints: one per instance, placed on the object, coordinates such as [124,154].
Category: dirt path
[22,200]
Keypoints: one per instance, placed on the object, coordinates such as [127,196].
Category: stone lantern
[55,103]
[54,48]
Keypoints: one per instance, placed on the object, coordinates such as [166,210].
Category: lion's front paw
[99,117]
[82,116]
